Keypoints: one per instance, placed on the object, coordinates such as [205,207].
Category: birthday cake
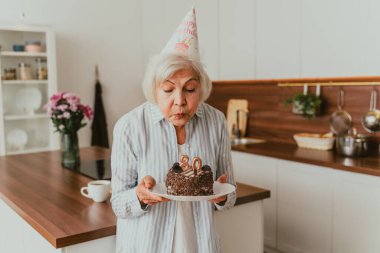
[184,179]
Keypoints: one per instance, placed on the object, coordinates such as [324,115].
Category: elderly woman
[148,140]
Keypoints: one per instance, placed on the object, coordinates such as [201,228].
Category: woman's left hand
[222,179]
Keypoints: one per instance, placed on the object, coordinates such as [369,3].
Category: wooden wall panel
[271,120]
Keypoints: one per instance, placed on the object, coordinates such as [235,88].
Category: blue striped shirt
[145,143]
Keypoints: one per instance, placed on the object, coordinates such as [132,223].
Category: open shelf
[18,98]
[22,54]
[22,117]
[12,82]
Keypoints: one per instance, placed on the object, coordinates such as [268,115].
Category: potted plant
[308,105]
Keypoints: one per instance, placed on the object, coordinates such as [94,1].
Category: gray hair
[161,67]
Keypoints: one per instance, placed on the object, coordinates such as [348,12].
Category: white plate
[219,190]
[17,139]
[28,100]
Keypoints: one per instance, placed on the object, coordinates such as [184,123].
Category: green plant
[306,104]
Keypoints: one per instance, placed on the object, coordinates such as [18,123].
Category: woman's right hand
[144,195]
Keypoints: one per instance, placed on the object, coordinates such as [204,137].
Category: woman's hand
[221,200]
[143,194]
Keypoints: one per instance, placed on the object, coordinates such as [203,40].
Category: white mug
[97,190]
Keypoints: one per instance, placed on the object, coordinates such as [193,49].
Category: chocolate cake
[190,180]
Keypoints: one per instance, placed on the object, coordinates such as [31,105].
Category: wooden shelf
[329,84]
[303,80]
[23,117]
[28,82]
[22,54]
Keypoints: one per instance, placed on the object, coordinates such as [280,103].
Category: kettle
[352,144]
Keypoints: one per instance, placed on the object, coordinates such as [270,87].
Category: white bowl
[315,141]
[33,48]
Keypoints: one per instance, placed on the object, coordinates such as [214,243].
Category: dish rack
[315,141]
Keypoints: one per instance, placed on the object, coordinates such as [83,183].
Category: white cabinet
[236,39]
[314,209]
[304,203]
[261,172]
[24,125]
[278,38]
[336,44]
[356,220]
[240,229]
[18,236]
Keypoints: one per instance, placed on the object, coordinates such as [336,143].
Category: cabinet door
[241,228]
[207,24]
[236,39]
[17,236]
[261,172]
[340,38]
[11,230]
[356,213]
[304,207]
[277,53]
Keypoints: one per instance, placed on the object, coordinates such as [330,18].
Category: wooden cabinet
[304,207]
[262,172]
[24,125]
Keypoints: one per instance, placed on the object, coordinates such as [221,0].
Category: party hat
[185,38]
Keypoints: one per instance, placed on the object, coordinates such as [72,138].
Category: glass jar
[42,73]
[10,74]
[25,71]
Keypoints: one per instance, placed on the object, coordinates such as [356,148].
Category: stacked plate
[17,139]
[28,100]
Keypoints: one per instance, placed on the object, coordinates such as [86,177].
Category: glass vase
[70,150]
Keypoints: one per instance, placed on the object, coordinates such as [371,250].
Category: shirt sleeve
[224,165]
[125,203]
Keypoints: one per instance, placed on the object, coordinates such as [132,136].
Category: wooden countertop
[366,165]
[48,197]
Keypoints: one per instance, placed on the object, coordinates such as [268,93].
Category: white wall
[239,39]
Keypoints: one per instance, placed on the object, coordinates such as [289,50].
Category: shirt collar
[156,113]
[158,116]
[200,111]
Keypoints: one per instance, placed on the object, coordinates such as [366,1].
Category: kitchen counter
[48,197]
[366,165]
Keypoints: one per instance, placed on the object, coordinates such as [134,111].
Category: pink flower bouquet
[67,113]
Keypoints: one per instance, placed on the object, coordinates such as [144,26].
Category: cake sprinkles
[184,179]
